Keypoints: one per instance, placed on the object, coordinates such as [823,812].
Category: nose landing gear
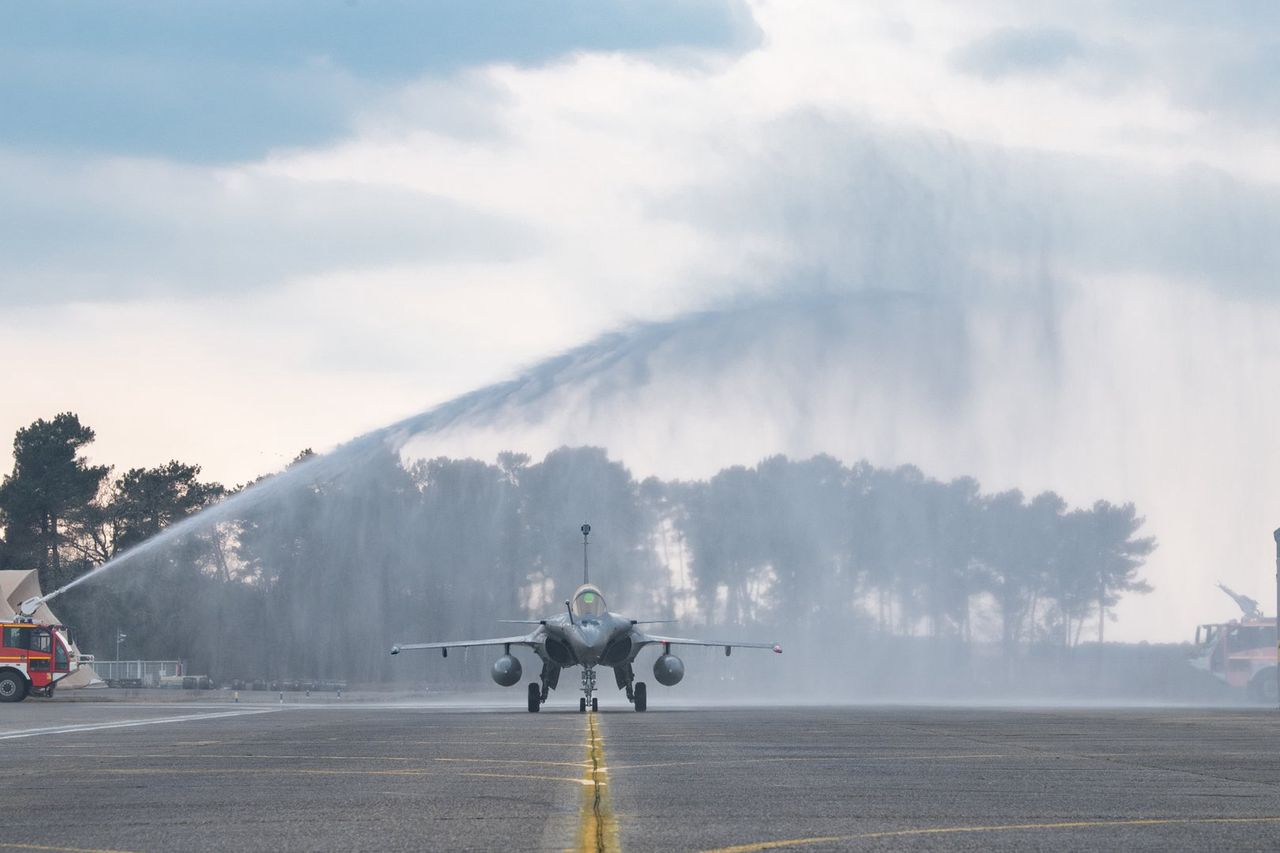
[588,688]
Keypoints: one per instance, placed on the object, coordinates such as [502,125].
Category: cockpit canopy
[588,603]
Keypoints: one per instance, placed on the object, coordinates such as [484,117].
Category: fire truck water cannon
[28,608]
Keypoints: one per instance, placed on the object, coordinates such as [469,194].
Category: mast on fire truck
[1277,538]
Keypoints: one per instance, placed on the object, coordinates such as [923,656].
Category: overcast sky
[229,232]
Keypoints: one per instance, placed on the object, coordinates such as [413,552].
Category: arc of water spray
[613,364]
[475,407]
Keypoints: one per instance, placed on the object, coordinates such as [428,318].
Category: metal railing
[146,673]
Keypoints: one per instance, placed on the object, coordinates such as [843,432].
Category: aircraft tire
[642,696]
[535,698]
[595,704]
[582,705]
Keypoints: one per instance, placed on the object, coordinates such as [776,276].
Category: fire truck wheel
[13,688]
[1263,687]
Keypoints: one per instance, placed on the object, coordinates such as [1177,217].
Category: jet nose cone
[593,638]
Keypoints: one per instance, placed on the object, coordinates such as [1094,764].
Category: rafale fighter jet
[587,635]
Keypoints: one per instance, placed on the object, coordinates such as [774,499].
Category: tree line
[321,579]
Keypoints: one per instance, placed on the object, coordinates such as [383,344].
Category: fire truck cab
[1241,653]
[33,658]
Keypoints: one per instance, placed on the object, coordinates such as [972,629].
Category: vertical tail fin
[586,531]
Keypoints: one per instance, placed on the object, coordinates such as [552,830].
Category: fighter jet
[590,636]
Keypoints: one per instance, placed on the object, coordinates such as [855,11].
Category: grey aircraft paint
[588,635]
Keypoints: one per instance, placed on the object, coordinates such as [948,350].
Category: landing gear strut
[625,676]
[547,682]
[588,687]
[636,692]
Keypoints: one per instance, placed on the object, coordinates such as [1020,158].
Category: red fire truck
[33,658]
[1242,652]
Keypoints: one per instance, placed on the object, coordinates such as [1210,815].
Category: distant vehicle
[1241,653]
[34,657]
[587,635]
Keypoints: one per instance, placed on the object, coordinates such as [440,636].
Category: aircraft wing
[523,640]
[648,639]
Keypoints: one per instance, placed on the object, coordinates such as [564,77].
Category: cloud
[228,81]
[491,168]
[841,204]
[1239,17]
[1242,87]
[117,230]
[1013,51]
[1218,60]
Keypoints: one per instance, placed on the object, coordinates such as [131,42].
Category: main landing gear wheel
[582,706]
[535,698]
[12,688]
[595,704]
[642,696]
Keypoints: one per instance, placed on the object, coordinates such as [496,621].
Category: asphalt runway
[144,776]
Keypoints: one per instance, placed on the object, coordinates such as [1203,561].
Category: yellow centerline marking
[597,830]
[950,830]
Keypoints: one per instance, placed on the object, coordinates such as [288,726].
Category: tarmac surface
[329,775]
